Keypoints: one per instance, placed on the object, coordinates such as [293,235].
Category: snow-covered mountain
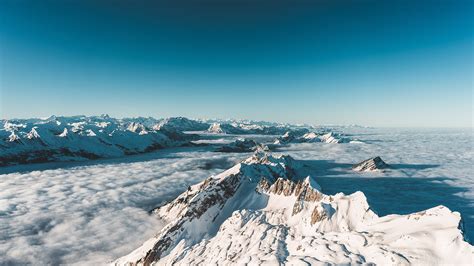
[326,137]
[243,129]
[182,124]
[266,210]
[258,122]
[81,137]
[237,127]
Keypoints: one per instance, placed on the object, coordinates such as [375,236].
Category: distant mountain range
[92,137]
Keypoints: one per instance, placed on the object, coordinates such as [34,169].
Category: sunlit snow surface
[98,211]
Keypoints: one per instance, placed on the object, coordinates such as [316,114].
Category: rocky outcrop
[301,189]
[318,215]
[372,164]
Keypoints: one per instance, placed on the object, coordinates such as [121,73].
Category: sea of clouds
[94,212]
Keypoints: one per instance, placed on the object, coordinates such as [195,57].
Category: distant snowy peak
[13,137]
[215,128]
[137,128]
[330,137]
[223,128]
[334,138]
[310,136]
[182,124]
[265,211]
[13,126]
[288,137]
[90,133]
[372,164]
[63,134]
[245,129]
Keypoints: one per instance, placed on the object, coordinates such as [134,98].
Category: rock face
[265,211]
[372,164]
[243,145]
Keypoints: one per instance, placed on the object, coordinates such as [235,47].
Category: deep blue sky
[380,63]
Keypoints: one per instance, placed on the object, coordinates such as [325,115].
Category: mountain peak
[33,134]
[263,210]
[372,164]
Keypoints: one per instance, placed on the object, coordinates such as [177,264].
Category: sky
[375,63]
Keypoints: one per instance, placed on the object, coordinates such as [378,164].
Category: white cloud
[92,213]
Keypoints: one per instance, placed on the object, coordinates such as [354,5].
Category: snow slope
[263,210]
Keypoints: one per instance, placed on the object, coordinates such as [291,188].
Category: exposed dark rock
[372,164]
[317,216]
[287,187]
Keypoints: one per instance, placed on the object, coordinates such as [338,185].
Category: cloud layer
[92,213]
